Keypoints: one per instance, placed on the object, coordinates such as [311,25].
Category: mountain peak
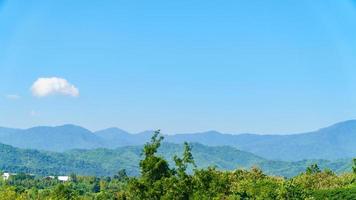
[69,126]
[112,130]
[65,127]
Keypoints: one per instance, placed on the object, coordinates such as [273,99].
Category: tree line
[158,181]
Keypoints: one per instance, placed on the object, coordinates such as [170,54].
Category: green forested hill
[103,162]
[128,157]
[43,163]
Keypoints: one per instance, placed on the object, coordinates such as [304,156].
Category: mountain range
[334,142]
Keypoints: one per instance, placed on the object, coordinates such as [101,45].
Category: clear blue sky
[182,66]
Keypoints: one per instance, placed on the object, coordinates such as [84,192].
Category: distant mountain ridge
[334,142]
[52,138]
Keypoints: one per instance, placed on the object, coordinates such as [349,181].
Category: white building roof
[63,178]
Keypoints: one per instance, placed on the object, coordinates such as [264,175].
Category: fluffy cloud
[43,87]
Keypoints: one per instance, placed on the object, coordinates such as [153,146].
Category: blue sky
[182,66]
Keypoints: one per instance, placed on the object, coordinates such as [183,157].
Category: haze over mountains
[335,142]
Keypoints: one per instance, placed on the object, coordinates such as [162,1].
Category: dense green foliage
[106,162]
[159,180]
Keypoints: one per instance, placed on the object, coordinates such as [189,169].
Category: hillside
[43,163]
[331,143]
[103,162]
[227,158]
[334,142]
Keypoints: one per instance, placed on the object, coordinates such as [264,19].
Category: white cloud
[43,87]
[12,96]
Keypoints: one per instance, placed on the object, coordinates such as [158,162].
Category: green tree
[182,163]
[8,193]
[153,170]
[73,177]
[153,167]
[313,169]
[180,185]
[121,175]
[64,192]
